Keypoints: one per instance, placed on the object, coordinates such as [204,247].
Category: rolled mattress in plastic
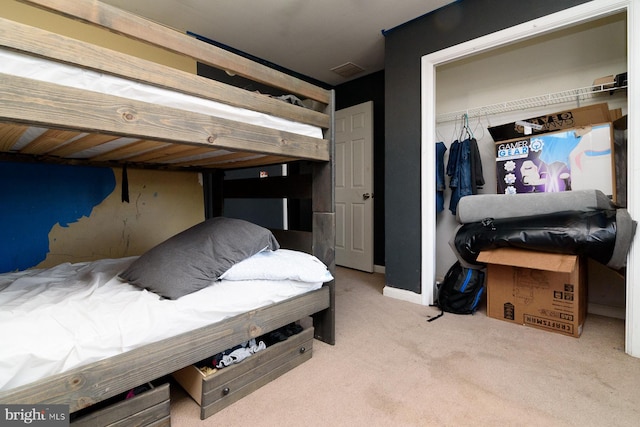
[603,235]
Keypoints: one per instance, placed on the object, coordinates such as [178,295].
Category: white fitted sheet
[56,319]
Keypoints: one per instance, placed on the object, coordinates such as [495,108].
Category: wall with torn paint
[56,213]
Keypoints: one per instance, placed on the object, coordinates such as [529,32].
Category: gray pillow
[196,257]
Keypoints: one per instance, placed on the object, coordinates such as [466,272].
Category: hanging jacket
[477,176]
[440,183]
[465,171]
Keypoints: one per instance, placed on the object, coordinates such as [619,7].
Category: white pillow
[281,264]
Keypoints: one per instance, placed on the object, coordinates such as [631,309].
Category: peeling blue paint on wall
[35,197]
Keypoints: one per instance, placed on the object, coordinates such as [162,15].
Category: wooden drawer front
[232,383]
[151,408]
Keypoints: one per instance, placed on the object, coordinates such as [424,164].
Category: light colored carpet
[390,367]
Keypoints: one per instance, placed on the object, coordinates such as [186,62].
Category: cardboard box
[542,290]
[576,117]
[574,159]
[606,82]
[615,114]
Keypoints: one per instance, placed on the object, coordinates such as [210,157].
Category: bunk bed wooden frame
[163,133]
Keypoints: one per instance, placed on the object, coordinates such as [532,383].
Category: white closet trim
[588,11]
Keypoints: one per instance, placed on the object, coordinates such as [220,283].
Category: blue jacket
[465,171]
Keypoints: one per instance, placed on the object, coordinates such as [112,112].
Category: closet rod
[532,102]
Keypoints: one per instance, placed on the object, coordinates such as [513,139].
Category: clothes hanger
[465,120]
[479,125]
[462,127]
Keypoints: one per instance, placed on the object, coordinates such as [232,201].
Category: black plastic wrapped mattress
[604,235]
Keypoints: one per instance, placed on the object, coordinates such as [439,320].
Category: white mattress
[22,65]
[53,320]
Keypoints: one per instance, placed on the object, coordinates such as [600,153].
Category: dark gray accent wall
[404,47]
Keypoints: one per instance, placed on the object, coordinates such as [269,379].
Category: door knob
[365,196]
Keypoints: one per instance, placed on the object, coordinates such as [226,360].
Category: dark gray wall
[404,47]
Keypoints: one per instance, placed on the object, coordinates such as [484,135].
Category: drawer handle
[302,350]
[226,391]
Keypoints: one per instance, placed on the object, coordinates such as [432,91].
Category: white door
[354,187]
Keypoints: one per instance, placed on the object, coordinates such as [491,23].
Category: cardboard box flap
[561,263]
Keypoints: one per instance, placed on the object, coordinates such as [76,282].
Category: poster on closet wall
[574,159]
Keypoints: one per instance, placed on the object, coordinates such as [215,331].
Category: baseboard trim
[379,269]
[606,310]
[402,294]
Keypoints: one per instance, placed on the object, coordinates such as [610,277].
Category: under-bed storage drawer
[149,408]
[228,385]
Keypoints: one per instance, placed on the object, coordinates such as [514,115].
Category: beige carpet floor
[390,367]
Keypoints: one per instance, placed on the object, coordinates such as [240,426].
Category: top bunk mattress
[56,319]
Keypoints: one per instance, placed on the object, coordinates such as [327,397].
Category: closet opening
[446,98]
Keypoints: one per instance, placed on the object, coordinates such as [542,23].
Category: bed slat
[48,141]
[81,144]
[169,153]
[129,150]
[9,135]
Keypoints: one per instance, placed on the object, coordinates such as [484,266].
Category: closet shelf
[532,102]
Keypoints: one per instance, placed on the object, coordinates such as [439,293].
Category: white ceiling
[309,37]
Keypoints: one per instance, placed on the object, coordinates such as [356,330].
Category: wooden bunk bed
[117,131]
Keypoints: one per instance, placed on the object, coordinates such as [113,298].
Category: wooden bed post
[324,228]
